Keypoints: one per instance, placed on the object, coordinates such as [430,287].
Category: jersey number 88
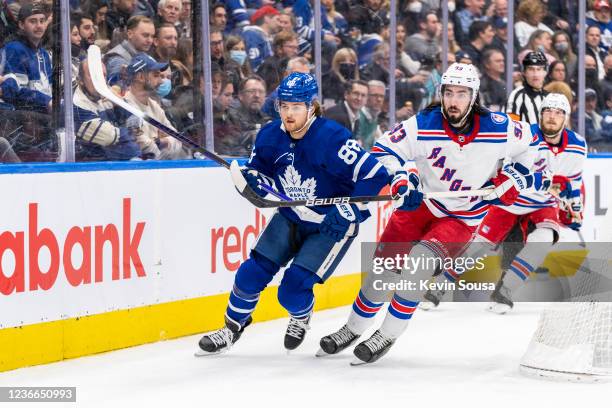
[349,151]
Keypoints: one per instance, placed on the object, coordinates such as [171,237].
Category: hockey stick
[94,59]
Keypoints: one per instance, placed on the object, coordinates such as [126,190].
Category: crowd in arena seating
[152,60]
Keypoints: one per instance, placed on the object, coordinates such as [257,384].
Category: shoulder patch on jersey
[497,118]
[518,130]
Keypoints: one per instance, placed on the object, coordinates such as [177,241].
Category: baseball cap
[590,93]
[30,9]
[459,55]
[599,4]
[264,11]
[500,22]
[144,63]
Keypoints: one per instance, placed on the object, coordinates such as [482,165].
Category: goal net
[573,341]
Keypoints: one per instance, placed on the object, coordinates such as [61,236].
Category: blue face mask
[164,88]
[238,56]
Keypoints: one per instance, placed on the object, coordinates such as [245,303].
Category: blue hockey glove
[254,179]
[338,221]
[405,191]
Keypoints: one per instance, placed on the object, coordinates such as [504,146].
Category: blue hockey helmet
[298,87]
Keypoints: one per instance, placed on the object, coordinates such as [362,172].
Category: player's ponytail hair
[317,110]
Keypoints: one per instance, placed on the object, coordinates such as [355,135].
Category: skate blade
[427,306]
[357,362]
[498,308]
[202,353]
[321,353]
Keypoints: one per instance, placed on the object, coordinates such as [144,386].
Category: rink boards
[101,256]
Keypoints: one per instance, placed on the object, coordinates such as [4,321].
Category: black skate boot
[372,349]
[432,299]
[222,339]
[296,332]
[337,341]
[501,299]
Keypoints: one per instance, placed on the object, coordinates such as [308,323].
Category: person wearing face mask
[563,46]
[144,78]
[343,69]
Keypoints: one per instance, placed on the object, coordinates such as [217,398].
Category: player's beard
[454,116]
[549,130]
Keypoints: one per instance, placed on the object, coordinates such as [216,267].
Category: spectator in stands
[185,20]
[378,69]
[75,47]
[333,21]
[143,78]
[248,116]
[525,101]
[140,34]
[347,113]
[410,12]
[27,70]
[600,16]
[343,69]
[169,12]
[557,71]
[424,43]
[100,129]
[463,57]
[236,50]
[286,20]
[404,61]
[117,17]
[453,44]
[370,17]
[605,85]
[165,42]
[226,132]
[87,30]
[593,38]
[480,36]
[561,14]
[606,123]
[284,46]
[473,11]
[493,92]
[218,16]
[220,57]
[541,41]
[98,10]
[500,9]
[563,45]
[369,115]
[593,120]
[295,64]
[237,14]
[530,14]
[258,36]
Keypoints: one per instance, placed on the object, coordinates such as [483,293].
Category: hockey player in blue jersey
[304,156]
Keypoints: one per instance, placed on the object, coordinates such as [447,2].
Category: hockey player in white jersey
[561,152]
[455,145]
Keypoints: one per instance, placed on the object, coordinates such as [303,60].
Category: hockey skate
[223,339]
[501,301]
[337,342]
[296,332]
[372,349]
[432,299]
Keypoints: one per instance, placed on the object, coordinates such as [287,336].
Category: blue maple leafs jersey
[326,162]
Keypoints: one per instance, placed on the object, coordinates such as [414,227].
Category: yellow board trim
[48,342]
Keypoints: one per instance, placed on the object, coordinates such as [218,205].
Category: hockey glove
[570,213]
[405,191]
[560,187]
[509,182]
[338,221]
[254,179]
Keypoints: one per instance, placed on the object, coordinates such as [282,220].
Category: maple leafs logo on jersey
[293,186]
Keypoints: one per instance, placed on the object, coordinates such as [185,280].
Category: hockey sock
[529,258]
[398,316]
[241,305]
[362,314]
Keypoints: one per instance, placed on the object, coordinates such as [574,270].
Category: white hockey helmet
[461,75]
[556,101]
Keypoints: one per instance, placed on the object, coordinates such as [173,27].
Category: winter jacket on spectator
[100,130]
[367,20]
[28,76]
[117,59]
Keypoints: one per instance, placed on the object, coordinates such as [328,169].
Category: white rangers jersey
[447,161]
[564,160]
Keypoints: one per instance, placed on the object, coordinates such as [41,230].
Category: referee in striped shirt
[525,101]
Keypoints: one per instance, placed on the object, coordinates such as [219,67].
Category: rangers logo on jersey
[497,118]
